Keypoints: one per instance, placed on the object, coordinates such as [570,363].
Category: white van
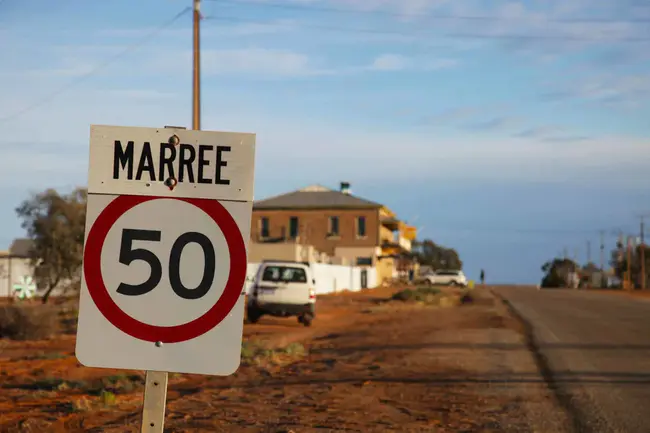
[282,289]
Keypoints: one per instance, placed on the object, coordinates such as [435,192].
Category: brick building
[348,229]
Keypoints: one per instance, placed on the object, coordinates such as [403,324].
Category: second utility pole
[602,251]
[196,78]
[643,276]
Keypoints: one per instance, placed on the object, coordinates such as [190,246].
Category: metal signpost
[167,228]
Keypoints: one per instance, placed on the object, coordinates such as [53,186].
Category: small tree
[55,223]
[431,254]
[557,271]
[619,263]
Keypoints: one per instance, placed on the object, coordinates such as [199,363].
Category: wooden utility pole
[602,250]
[588,252]
[196,81]
[629,262]
[642,258]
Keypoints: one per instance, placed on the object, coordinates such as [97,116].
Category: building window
[264,227]
[361,227]
[293,227]
[364,261]
[334,226]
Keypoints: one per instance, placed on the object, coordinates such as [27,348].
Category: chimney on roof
[345,188]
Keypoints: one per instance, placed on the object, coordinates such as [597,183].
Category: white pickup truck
[445,278]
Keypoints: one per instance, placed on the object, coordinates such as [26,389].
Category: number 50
[128,255]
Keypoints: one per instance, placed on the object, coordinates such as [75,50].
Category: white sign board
[167,228]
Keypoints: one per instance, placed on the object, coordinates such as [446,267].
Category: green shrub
[28,322]
[107,398]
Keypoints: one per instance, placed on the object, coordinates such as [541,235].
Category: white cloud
[540,132]
[165,62]
[259,61]
[543,30]
[74,69]
[494,124]
[451,115]
[398,62]
[211,27]
[135,95]
[265,28]
[38,167]
[390,62]
[249,61]
[343,151]
[406,7]
[627,91]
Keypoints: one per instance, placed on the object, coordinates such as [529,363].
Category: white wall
[20,267]
[350,254]
[329,278]
[8,277]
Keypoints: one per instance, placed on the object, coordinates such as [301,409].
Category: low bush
[116,385]
[420,294]
[255,353]
[28,322]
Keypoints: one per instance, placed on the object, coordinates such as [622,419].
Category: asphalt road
[596,348]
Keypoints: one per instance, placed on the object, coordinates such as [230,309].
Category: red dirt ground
[368,366]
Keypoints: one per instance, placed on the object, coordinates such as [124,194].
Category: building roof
[315,197]
[20,247]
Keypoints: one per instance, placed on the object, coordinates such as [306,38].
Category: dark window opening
[334,226]
[364,261]
[293,227]
[264,229]
[361,227]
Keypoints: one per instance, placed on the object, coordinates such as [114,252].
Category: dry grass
[434,296]
[255,353]
[28,321]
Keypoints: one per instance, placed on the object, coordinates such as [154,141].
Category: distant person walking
[482,277]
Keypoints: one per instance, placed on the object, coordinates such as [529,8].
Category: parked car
[445,278]
[282,289]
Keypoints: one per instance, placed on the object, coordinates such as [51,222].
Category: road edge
[562,399]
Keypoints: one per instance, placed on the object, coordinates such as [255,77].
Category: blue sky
[508,130]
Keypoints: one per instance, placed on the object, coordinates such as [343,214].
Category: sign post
[153,406]
[164,265]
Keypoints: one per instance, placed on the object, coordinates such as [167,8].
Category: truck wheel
[306,319]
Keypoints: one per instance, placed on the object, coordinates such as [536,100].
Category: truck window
[285,274]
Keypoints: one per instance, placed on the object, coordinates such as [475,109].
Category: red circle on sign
[166,334]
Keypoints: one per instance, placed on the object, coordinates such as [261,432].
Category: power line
[444,35]
[433,16]
[531,230]
[96,69]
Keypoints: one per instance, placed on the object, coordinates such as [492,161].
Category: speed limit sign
[164,265]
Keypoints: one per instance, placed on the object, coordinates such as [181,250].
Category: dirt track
[366,367]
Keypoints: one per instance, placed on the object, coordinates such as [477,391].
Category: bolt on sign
[165,253]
